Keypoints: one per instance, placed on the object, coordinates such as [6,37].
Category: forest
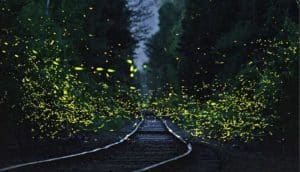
[221,70]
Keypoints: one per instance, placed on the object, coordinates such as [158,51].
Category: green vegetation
[228,70]
[63,68]
[220,70]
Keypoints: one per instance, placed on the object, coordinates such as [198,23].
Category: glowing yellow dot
[110,70]
[78,68]
[99,69]
[34,52]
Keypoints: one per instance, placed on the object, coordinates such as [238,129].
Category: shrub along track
[151,144]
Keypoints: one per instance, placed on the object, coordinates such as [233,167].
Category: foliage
[163,47]
[237,68]
[55,86]
[220,70]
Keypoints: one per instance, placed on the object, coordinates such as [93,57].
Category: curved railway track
[151,144]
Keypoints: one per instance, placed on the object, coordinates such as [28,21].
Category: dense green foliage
[63,66]
[163,47]
[228,69]
[220,69]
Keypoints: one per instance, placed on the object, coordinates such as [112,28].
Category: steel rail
[136,124]
[189,150]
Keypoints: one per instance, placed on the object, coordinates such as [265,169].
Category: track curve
[150,145]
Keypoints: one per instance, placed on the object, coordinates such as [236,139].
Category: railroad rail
[151,144]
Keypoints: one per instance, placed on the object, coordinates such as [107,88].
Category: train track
[151,144]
